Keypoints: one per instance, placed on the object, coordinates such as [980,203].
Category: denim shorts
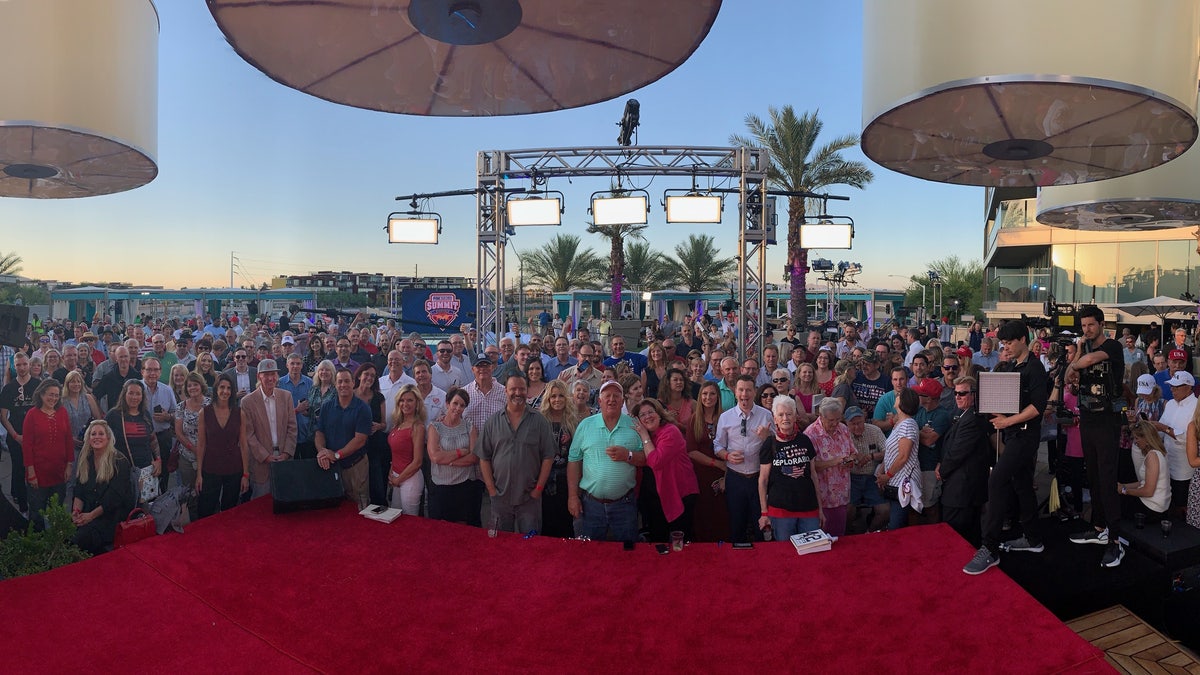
[864,491]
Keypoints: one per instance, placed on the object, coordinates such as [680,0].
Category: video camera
[1061,320]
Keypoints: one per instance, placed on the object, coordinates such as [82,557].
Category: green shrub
[31,552]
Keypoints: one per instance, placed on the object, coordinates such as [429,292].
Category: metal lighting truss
[747,165]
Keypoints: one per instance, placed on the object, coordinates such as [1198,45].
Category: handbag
[145,483]
[298,484]
[132,530]
[890,493]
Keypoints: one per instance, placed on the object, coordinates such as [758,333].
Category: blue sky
[292,184]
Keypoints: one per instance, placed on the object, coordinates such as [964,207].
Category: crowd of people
[565,431]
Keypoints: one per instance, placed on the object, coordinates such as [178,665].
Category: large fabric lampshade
[1028,92]
[465,57]
[78,97]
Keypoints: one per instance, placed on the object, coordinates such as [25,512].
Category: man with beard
[516,451]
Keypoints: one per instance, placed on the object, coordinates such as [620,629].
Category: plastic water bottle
[494,526]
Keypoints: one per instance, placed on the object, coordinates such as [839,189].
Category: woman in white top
[1150,463]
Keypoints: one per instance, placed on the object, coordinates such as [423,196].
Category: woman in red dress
[711,520]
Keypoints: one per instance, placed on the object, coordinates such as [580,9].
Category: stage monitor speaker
[14,319]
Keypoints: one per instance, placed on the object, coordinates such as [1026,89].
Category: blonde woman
[407,443]
[806,389]
[207,368]
[561,411]
[842,389]
[103,493]
[81,406]
[1153,486]
[322,391]
[581,395]
[176,378]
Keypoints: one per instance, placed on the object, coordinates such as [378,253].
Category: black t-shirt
[790,486]
[1035,387]
[17,399]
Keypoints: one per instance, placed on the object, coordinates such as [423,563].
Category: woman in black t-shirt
[133,429]
[366,387]
[786,491]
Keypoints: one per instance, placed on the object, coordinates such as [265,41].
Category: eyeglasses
[767,394]
[445,351]
[779,379]
[963,393]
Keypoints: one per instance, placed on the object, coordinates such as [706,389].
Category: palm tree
[616,235]
[797,165]
[697,265]
[645,267]
[10,264]
[559,265]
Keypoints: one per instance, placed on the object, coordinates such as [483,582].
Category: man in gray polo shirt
[516,449]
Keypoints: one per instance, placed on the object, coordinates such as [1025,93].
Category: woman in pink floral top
[835,453]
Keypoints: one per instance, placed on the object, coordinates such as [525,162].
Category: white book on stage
[812,541]
[383,514]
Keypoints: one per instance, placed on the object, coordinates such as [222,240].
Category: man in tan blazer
[270,426]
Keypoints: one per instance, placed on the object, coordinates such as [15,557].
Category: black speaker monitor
[13,321]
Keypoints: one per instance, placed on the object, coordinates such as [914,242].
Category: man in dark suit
[242,373]
[966,456]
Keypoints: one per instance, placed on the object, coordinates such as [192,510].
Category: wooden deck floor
[1131,645]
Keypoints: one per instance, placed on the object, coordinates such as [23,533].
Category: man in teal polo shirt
[728,381]
[601,469]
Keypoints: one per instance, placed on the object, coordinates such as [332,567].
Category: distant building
[1026,263]
[377,287]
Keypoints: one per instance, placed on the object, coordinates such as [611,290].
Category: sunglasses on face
[950,368]
[779,379]
[962,393]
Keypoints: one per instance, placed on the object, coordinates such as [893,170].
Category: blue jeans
[618,517]
[897,516]
[786,527]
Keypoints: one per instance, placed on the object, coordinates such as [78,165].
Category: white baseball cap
[1181,378]
[1146,384]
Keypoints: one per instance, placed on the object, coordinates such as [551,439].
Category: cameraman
[1101,366]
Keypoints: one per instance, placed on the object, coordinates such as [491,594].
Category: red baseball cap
[964,351]
[1177,355]
[928,387]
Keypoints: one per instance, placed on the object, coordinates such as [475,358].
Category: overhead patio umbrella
[465,57]
[1161,307]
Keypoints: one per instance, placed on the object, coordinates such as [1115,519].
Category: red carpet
[333,592]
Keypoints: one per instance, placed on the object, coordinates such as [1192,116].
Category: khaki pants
[354,482]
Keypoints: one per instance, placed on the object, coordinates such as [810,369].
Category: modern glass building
[1025,262]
